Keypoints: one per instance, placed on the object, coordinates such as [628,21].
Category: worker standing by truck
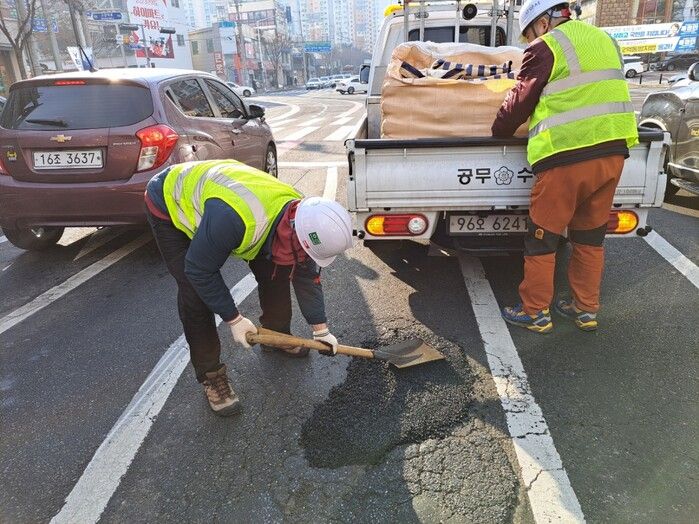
[572,88]
[203,212]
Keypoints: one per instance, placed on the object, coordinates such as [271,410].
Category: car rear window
[89,106]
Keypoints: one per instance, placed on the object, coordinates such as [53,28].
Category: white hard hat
[324,229]
[533,9]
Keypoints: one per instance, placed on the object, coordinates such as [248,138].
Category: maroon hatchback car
[77,149]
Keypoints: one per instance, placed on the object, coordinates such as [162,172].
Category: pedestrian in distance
[201,213]
[572,88]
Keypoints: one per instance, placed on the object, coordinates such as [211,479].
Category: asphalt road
[102,419]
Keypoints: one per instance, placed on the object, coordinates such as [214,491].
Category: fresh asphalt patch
[366,416]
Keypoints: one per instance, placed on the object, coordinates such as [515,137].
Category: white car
[325,81]
[351,85]
[633,65]
[241,90]
[313,83]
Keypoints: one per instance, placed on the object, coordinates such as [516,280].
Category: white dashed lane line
[48,297]
[680,262]
[551,496]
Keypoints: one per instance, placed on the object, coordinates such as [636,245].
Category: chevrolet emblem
[61,138]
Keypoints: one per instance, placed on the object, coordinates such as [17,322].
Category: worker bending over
[572,87]
[203,212]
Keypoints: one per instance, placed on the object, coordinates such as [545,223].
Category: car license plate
[487,224]
[78,159]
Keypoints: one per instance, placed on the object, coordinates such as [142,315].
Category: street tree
[16,25]
[276,46]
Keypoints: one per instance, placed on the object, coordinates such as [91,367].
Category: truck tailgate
[443,174]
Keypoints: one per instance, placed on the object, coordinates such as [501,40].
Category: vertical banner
[219,64]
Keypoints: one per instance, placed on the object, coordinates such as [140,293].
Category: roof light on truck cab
[622,222]
[396,225]
[157,142]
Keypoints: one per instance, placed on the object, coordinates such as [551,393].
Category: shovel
[402,355]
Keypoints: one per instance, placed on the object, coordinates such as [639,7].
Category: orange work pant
[578,197]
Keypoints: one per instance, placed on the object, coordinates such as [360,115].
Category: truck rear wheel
[35,238]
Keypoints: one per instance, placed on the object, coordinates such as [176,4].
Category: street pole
[79,39]
[145,46]
[121,45]
[262,59]
[32,49]
[241,46]
[52,38]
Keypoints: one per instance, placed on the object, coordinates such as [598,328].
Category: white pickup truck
[467,193]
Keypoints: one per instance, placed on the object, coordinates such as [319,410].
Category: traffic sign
[104,16]
[317,47]
[39,25]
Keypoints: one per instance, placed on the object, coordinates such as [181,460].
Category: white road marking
[3,239]
[297,135]
[56,292]
[74,234]
[111,461]
[551,496]
[330,189]
[356,106]
[681,263]
[102,476]
[313,121]
[341,133]
[294,109]
[341,121]
[98,239]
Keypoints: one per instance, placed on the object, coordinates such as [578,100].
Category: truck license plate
[84,158]
[487,225]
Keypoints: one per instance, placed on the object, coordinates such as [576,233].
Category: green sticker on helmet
[314,238]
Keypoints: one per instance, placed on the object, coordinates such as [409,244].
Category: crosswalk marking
[341,121]
[297,135]
[313,121]
[339,134]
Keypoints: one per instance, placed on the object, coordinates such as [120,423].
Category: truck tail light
[622,222]
[157,142]
[396,225]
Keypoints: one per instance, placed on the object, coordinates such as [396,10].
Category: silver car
[676,110]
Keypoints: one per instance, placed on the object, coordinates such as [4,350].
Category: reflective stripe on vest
[581,113]
[563,103]
[256,196]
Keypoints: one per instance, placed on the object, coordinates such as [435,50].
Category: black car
[675,62]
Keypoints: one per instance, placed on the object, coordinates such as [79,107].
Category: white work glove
[328,339]
[240,327]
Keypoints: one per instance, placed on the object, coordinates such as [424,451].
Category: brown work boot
[219,392]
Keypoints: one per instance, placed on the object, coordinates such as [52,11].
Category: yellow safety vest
[586,101]
[255,195]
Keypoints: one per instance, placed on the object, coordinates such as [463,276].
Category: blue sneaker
[539,323]
[583,319]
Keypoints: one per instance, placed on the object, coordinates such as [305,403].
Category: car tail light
[157,142]
[3,169]
[622,222]
[396,225]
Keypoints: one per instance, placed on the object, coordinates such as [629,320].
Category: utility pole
[145,46]
[241,45]
[121,45]
[79,37]
[32,49]
[52,38]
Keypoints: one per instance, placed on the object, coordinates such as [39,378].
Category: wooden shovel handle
[272,338]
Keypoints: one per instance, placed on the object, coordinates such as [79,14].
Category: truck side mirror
[364,73]
[693,73]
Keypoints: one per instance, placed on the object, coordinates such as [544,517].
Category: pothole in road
[379,407]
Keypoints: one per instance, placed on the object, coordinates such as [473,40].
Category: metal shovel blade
[408,353]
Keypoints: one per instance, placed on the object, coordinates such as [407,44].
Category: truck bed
[477,173]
